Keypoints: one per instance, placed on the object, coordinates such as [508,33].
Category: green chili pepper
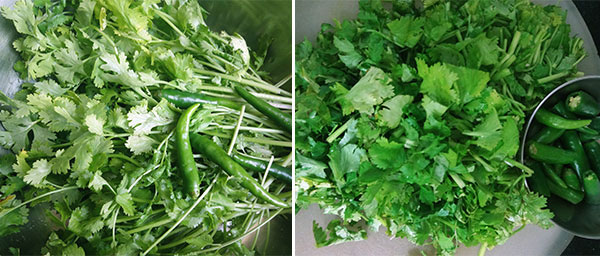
[538,182]
[571,179]
[549,154]
[216,154]
[588,131]
[573,196]
[183,99]
[592,149]
[282,120]
[548,135]
[581,103]
[561,109]
[595,124]
[553,176]
[570,141]
[278,171]
[588,137]
[185,162]
[552,120]
[591,186]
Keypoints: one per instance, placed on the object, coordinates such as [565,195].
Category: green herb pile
[93,139]
[409,117]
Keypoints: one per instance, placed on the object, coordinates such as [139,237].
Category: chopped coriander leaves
[411,113]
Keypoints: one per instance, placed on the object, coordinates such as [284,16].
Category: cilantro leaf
[370,90]
[309,167]
[393,111]
[335,234]
[348,55]
[407,31]
[385,154]
[39,170]
[438,82]
[140,144]
[344,160]
[143,121]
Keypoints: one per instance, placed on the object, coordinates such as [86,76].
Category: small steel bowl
[582,220]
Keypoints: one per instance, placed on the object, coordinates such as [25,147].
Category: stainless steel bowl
[255,20]
[582,220]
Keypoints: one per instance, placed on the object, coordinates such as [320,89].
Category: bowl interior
[256,21]
[583,219]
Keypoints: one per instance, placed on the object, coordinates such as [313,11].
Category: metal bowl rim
[530,121]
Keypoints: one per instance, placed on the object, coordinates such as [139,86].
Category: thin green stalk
[129,218]
[482,249]
[253,247]
[288,159]
[338,132]
[267,239]
[283,81]
[114,224]
[210,65]
[264,86]
[236,130]
[182,240]
[514,43]
[7,211]
[287,144]
[62,145]
[513,163]
[232,241]
[126,158]
[229,90]
[162,144]
[248,128]
[164,17]
[551,78]
[181,218]
[273,97]
[150,226]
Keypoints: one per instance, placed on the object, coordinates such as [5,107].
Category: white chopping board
[530,241]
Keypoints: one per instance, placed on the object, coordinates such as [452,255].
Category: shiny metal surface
[256,20]
[583,219]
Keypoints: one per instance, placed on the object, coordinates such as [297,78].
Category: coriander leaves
[424,106]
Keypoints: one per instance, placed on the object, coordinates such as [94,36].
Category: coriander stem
[287,160]
[62,145]
[264,86]
[230,242]
[236,130]
[7,211]
[273,97]
[249,128]
[126,158]
[286,144]
[265,246]
[551,78]
[482,249]
[181,240]
[253,247]
[182,217]
[128,218]
[338,132]
[283,81]
[116,214]
[168,21]
[259,95]
[150,226]
[514,43]
[511,162]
